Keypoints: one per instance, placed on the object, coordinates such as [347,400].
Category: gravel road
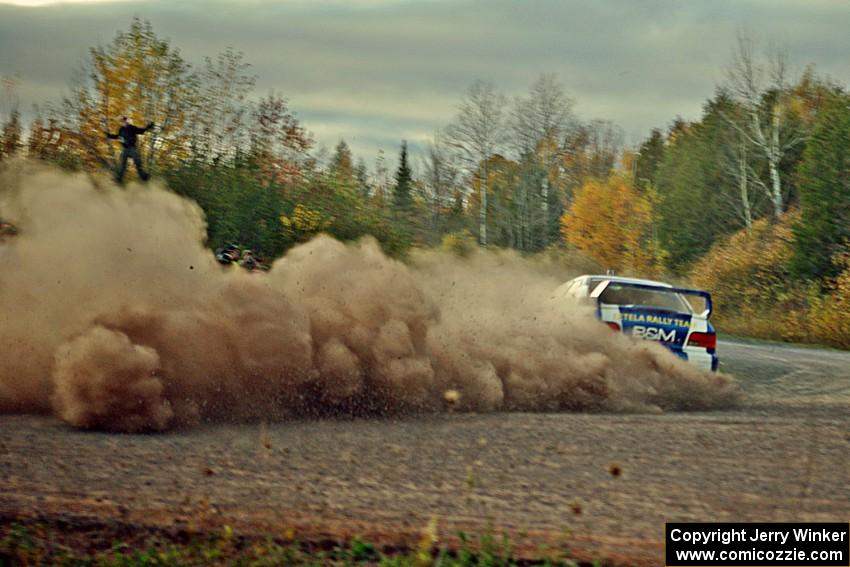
[601,484]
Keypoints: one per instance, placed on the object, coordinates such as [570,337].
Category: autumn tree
[137,75]
[279,143]
[331,196]
[11,131]
[11,135]
[49,142]
[440,182]
[611,221]
[747,273]
[342,162]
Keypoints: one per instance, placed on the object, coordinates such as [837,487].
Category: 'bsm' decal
[654,334]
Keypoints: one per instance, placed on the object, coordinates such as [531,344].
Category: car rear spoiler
[603,285]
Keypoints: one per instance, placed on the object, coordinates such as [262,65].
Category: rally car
[656,311]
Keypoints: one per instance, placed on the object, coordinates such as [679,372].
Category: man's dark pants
[131,153]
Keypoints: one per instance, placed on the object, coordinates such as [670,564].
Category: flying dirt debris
[7,229]
[114,316]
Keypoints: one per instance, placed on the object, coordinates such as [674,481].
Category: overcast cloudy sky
[377,71]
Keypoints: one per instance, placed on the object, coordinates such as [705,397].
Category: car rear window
[616,294]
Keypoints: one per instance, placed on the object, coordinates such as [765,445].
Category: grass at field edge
[65,544]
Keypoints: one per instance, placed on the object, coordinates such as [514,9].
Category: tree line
[770,155]
[507,166]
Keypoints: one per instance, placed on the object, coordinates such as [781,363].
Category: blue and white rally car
[656,311]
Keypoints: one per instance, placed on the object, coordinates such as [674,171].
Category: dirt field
[600,484]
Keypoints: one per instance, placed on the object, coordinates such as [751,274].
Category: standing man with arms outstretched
[127,134]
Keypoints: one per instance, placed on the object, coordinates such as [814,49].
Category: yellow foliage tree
[830,323]
[754,294]
[748,278]
[139,76]
[611,221]
[304,223]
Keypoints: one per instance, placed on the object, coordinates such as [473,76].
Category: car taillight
[613,326]
[704,340]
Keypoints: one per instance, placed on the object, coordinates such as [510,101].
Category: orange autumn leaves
[612,221]
[137,75]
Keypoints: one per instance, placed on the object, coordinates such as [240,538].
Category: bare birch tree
[737,164]
[545,114]
[381,179]
[439,181]
[218,123]
[539,124]
[761,89]
[477,132]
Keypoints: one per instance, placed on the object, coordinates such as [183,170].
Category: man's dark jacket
[127,134]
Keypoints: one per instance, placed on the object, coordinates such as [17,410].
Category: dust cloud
[114,316]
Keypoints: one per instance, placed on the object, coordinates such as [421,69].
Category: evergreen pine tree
[824,188]
[649,156]
[403,189]
[342,163]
